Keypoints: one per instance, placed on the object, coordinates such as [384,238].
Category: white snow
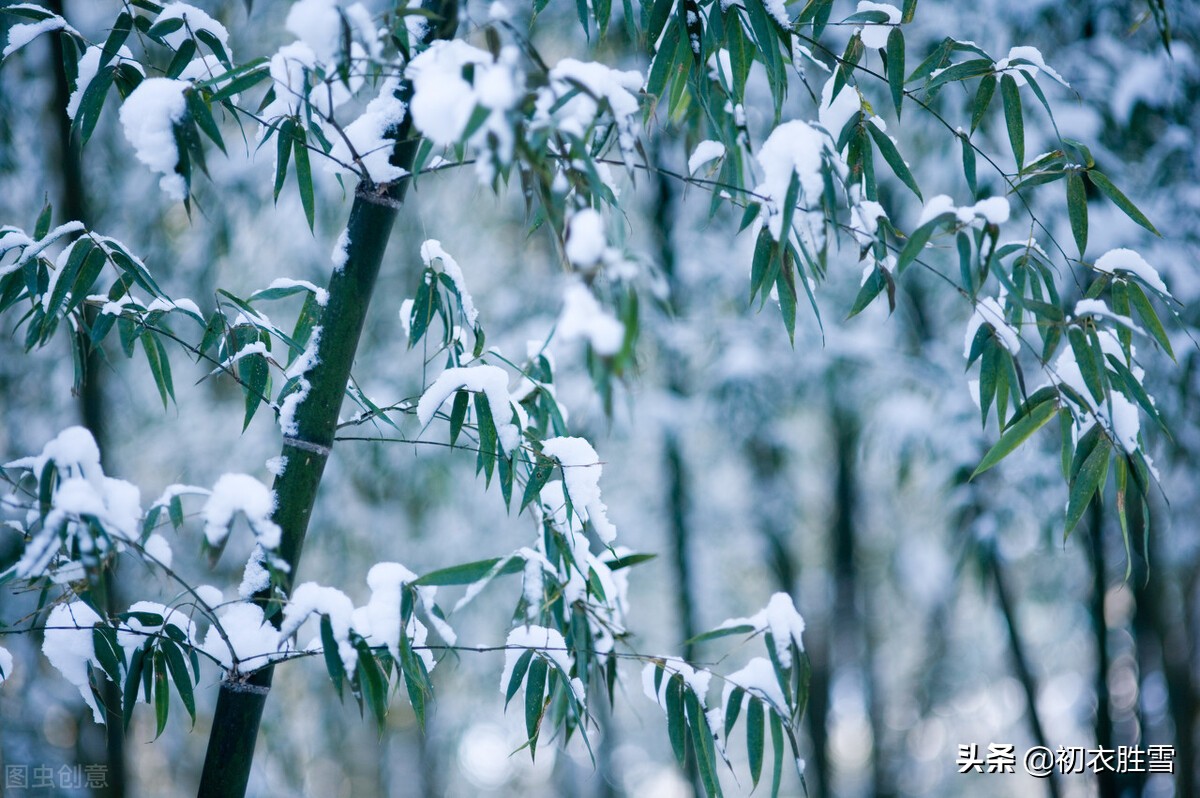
[242,493]
[793,148]
[437,259]
[317,24]
[341,251]
[988,311]
[1098,308]
[757,678]
[705,152]
[254,641]
[778,12]
[1127,260]
[68,646]
[255,576]
[23,34]
[379,620]
[1122,417]
[835,112]
[581,472]
[583,318]
[876,36]
[599,82]
[1020,71]
[6,664]
[157,547]
[195,20]
[782,620]
[148,116]
[367,136]
[864,221]
[993,210]
[322,296]
[492,381]
[311,598]
[304,362]
[585,238]
[89,64]
[696,680]
[548,642]
[133,633]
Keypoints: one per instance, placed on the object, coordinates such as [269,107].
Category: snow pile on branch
[988,311]
[252,641]
[149,116]
[491,381]
[242,493]
[592,84]
[582,317]
[581,477]
[705,152]
[993,210]
[445,101]
[68,646]
[23,34]
[781,619]
[1126,260]
[133,633]
[194,22]
[366,140]
[311,598]
[697,680]
[81,490]
[795,150]
[437,259]
[876,36]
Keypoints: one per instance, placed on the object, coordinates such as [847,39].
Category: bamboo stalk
[242,698]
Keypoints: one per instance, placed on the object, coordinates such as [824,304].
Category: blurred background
[940,612]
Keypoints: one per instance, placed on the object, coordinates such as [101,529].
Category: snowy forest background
[939,611]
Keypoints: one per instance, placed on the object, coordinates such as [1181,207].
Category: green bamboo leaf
[1077,209]
[1135,389]
[968,162]
[983,99]
[254,373]
[162,694]
[470,572]
[777,744]
[109,652]
[915,244]
[725,631]
[160,367]
[1011,95]
[177,667]
[763,253]
[133,679]
[329,651]
[1145,312]
[958,72]
[628,561]
[538,479]
[304,174]
[890,154]
[702,744]
[92,103]
[258,71]
[458,414]
[733,708]
[1100,181]
[785,288]
[910,10]
[1087,360]
[283,153]
[535,690]
[755,737]
[895,67]
[518,675]
[1016,434]
[675,717]
[487,435]
[873,287]
[1087,482]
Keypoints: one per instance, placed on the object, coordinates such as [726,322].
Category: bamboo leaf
[283,153]
[890,154]
[518,675]
[304,174]
[983,99]
[1016,434]
[1145,311]
[733,708]
[895,67]
[725,631]
[1011,95]
[675,717]
[329,651]
[177,667]
[162,694]
[1085,358]
[535,690]
[1100,181]
[1077,209]
[777,744]
[1087,482]
[537,480]
[458,414]
[755,737]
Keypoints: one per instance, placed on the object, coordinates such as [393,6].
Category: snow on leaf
[149,116]
[705,152]
[782,620]
[876,36]
[492,381]
[437,259]
[1126,260]
[68,647]
[234,493]
[988,311]
[311,598]
[581,475]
